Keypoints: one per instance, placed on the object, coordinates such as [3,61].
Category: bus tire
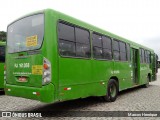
[147,84]
[112,91]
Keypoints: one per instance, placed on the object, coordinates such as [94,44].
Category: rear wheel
[112,91]
[147,84]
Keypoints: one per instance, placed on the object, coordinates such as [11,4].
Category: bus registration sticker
[37,69]
[31,41]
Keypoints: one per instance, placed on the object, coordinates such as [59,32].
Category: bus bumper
[43,94]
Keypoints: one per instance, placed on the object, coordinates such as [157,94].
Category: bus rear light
[37,93]
[67,88]
[46,72]
[46,80]
[4,67]
[45,66]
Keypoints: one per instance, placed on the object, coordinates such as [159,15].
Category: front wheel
[112,91]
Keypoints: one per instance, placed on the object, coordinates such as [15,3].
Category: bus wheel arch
[112,90]
[116,79]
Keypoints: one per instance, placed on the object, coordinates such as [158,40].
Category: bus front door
[135,66]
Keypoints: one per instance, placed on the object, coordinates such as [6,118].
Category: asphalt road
[137,99]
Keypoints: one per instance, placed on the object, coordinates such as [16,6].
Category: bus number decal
[37,69]
[31,41]
[21,65]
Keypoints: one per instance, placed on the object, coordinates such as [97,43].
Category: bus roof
[87,26]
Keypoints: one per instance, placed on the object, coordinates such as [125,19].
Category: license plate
[22,79]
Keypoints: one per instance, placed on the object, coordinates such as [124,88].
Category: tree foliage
[3,36]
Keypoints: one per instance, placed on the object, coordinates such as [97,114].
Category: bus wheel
[112,91]
[147,84]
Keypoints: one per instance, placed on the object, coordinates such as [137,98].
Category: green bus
[53,57]
[2,61]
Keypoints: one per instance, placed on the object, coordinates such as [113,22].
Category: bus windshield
[26,34]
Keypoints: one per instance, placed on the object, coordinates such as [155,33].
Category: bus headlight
[46,72]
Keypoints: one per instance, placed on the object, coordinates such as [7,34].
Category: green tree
[3,36]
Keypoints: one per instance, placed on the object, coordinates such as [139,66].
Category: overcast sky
[136,20]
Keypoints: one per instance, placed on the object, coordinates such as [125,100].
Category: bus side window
[145,56]
[82,43]
[101,47]
[123,53]
[107,49]
[128,52]
[66,40]
[116,50]
[97,46]
[66,32]
[142,55]
[66,48]
[149,57]
[73,41]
